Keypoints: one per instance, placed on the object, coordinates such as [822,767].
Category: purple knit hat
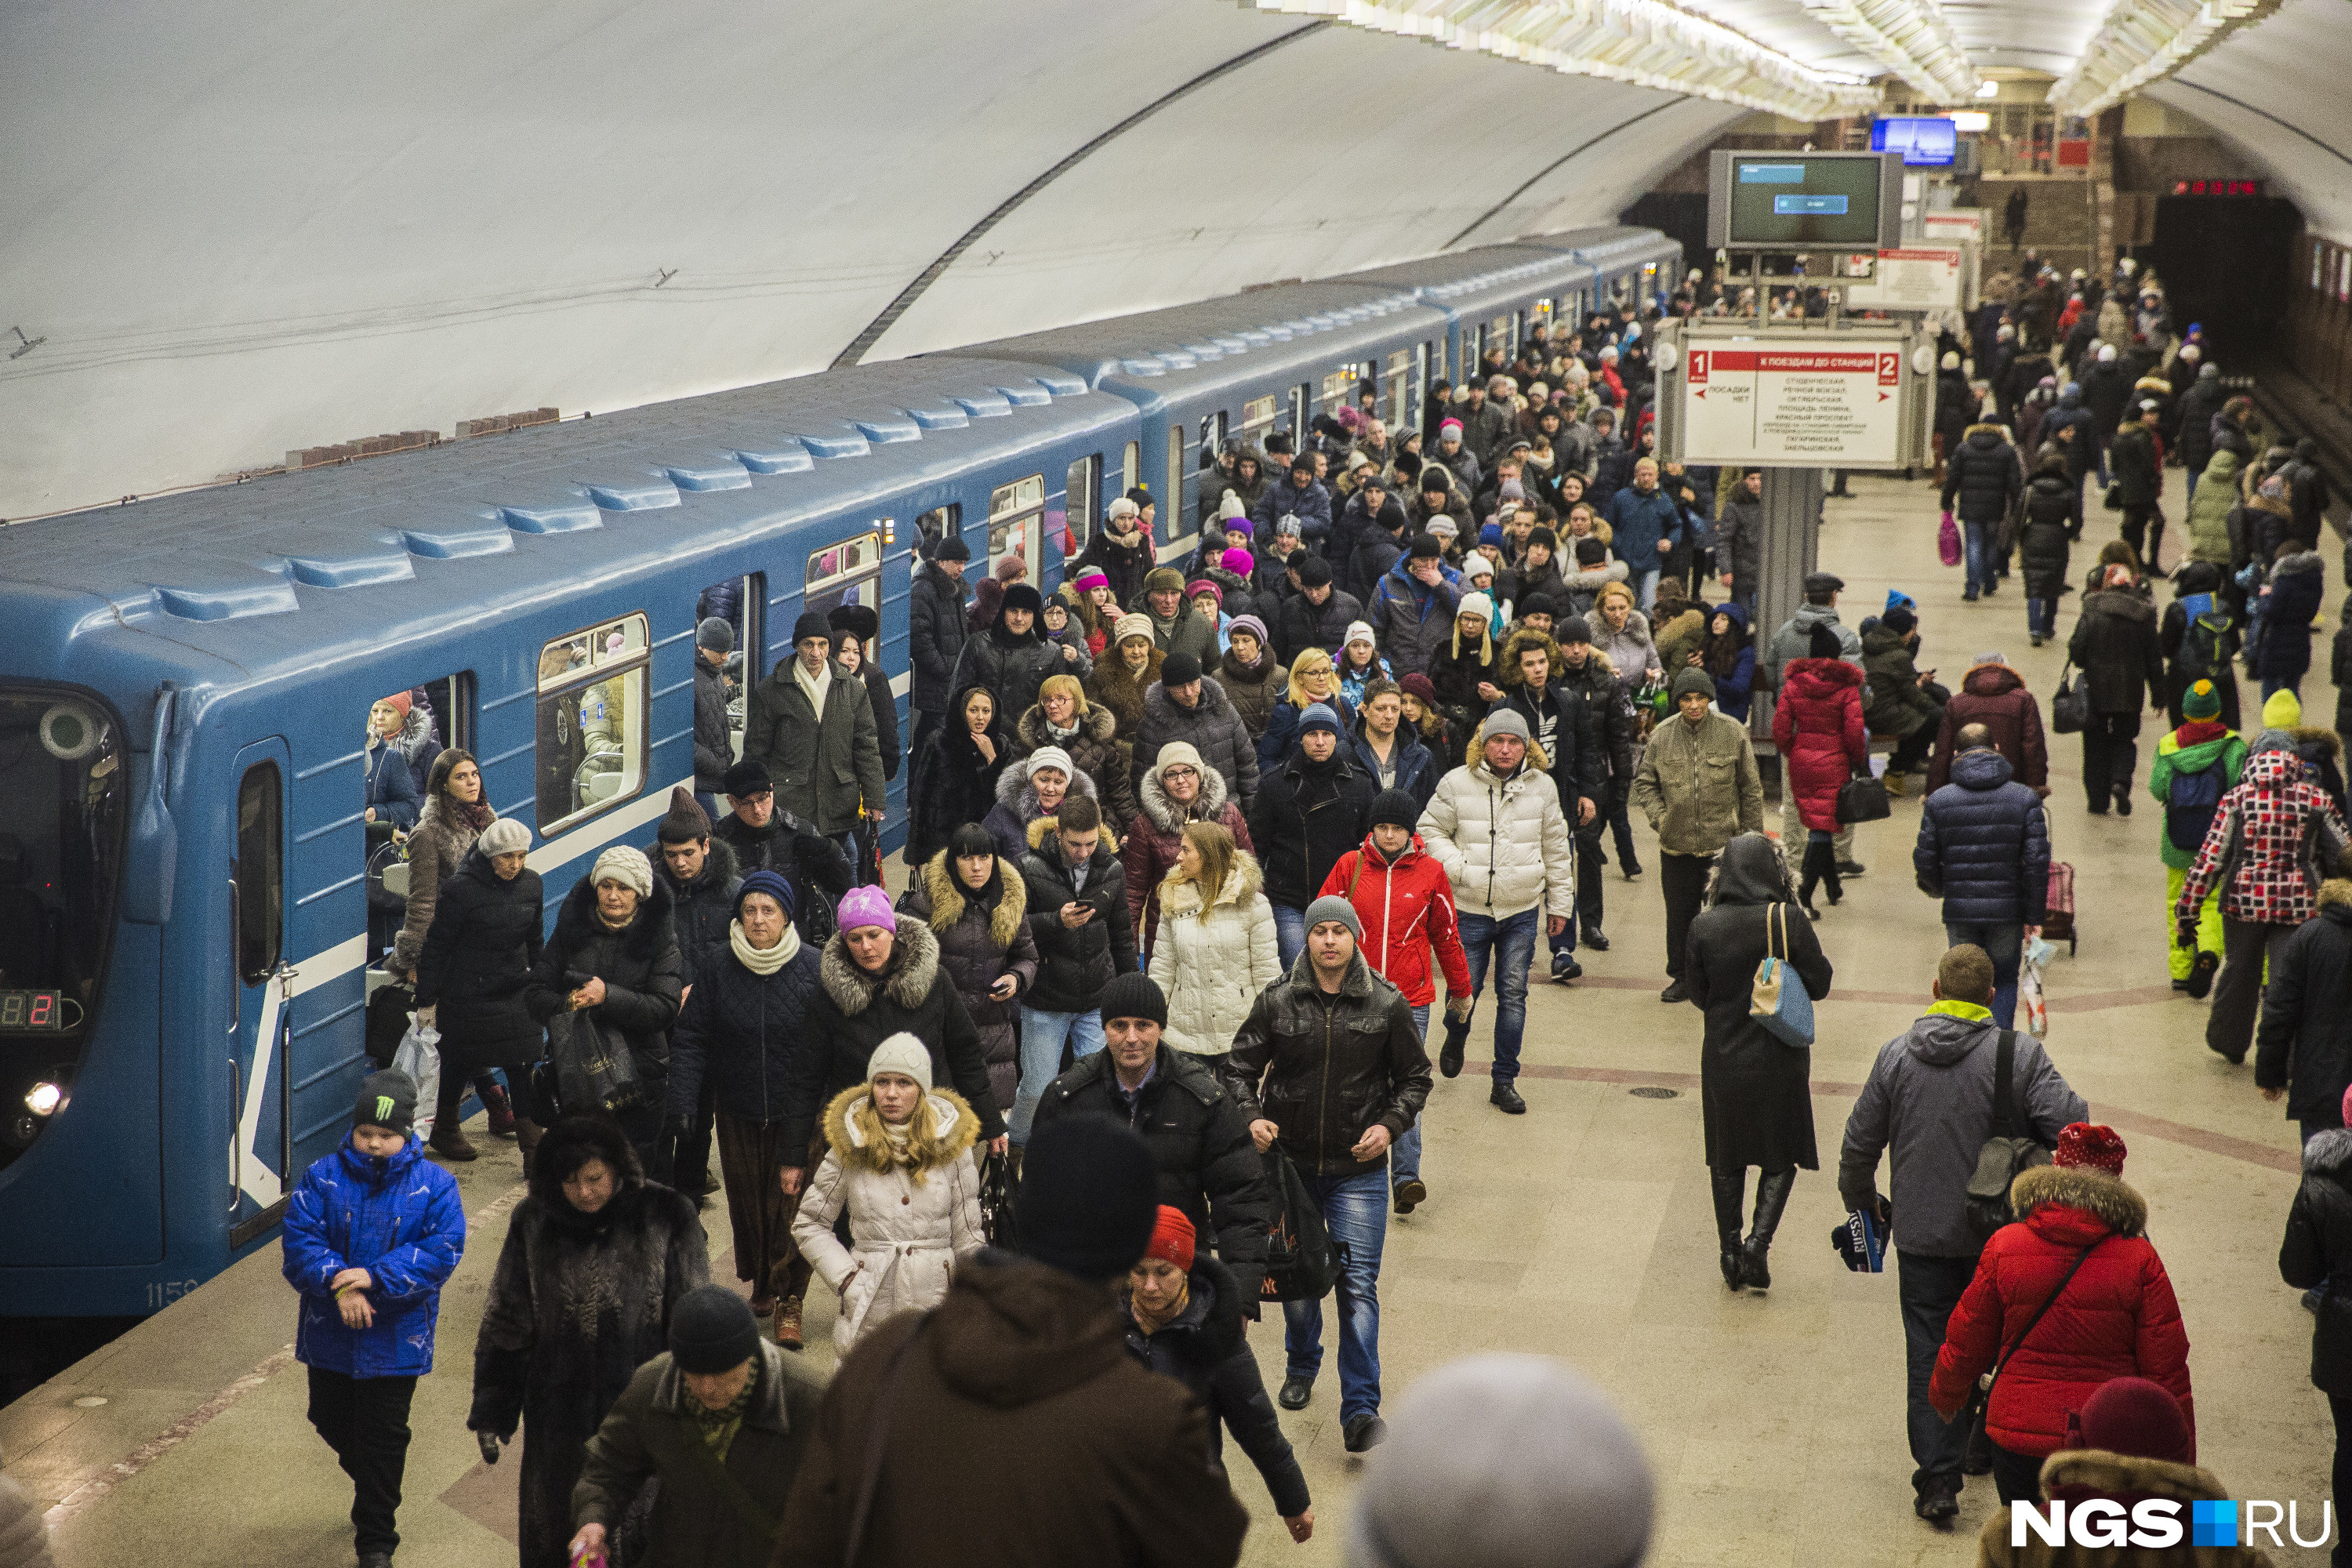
[865,906]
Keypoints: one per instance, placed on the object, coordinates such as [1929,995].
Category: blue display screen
[1772,174]
[1925,141]
[1808,206]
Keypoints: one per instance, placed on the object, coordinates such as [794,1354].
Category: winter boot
[500,1108]
[1772,1189]
[1730,1186]
[448,1139]
[527,1136]
[788,1323]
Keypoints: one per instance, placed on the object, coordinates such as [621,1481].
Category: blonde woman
[898,1157]
[1313,678]
[1216,948]
[1063,717]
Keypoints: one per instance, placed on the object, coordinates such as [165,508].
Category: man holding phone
[1077,912]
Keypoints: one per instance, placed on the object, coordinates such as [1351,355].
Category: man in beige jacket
[1699,787]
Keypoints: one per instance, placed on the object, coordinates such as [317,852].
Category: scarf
[1152,1322]
[2197,732]
[716,1428]
[816,685]
[1061,736]
[472,818]
[760,962]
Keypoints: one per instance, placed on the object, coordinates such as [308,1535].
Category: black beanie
[388,1099]
[953,547]
[1425,547]
[1133,996]
[686,821]
[711,1329]
[1089,1197]
[1397,808]
[1180,669]
[1314,572]
[810,625]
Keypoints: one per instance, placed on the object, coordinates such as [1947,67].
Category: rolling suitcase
[2058,923]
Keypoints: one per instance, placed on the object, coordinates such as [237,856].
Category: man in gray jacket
[1929,1102]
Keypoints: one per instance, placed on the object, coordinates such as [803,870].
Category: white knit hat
[1051,757]
[1360,631]
[1475,604]
[627,866]
[504,836]
[1230,509]
[901,1052]
[1473,562]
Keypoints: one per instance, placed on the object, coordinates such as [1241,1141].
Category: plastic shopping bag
[1947,541]
[2032,1009]
[419,1055]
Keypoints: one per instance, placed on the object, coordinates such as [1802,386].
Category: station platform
[1582,1230]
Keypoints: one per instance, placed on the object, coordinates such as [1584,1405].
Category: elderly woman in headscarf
[1755,1089]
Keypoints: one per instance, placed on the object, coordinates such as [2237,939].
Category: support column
[1791,546]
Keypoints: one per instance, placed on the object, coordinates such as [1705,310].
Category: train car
[184,932]
[1246,366]
[1631,267]
[1491,297]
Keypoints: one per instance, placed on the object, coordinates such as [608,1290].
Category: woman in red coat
[2118,1317]
[1817,725]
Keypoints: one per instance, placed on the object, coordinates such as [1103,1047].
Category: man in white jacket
[1495,823]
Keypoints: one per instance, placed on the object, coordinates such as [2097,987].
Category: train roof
[468,529]
[1466,277]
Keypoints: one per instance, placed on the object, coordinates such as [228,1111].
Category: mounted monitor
[1805,201]
[1925,141]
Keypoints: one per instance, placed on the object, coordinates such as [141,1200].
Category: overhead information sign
[1794,405]
[1918,277]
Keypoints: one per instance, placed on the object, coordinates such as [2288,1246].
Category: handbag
[1863,798]
[1948,547]
[2070,709]
[1778,1000]
[996,1203]
[2114,499]
[594,1065]
[2004,1156]
[1301,1262]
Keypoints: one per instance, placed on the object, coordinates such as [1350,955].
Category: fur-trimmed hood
[913,969]
[1538,762]
[577,921]
[1013,790]
[2326,740]
[1098,724]
[1037,830]
[2104,1198]
[2329,1153]
[1153,795]
[954,1129]
[948,899]
[720,865]
[2078,1475]
[1184,898]
[1211,1318]
[1518,641]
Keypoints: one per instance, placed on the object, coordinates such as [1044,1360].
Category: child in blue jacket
[372,1234]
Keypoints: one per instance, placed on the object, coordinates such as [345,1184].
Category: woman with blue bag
[1755,968]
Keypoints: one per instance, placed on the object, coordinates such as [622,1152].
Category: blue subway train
[184,939]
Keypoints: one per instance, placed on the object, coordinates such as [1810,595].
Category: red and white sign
[1917,278]
[1958,222]
[1795,407]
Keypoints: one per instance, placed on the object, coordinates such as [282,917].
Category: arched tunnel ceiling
[239,231]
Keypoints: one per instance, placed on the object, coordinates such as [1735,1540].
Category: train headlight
[44,1098]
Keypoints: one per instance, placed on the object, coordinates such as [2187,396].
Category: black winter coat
[1304,624]
[740,1033]
[1325,1069]
[2114,643]
[1213,727]
[2131,458]
[2296,584]
[1097,751]
[1203,1350]
[2198,405]
[855,1011]
[936,634]
[885,716]
[2318,1251]
[2105,389]
[1014,668]
[1984,844]
[813,864]
[2052,515]
[2305,1043]
[714,747]
[1125,563]
[953,783]
[1306,816]
[478,958]
[1209,1167]
[578,1303]
[980,943]
[1614,725]
[639,966]
[1074,965]
[1981,476]
[700,911]
[1754,1093]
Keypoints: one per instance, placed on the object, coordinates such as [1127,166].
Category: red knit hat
[1171,1238]
[2088,1144]
[399,699]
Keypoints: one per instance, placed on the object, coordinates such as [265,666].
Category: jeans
[2110,757]
[1683,880]
[2004,943]
[1983,553]
[2042,619]
[1645,588]
[1929,1288]
[1289,934]
[1510,943]
[365,1421]
[1042,1035]
[1356,1210]
[1621,825]
[1405,1154]
[2017,1478]
[2192,495]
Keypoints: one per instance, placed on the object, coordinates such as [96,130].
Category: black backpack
[1302,1263]
[2190,803]
[2009,1152]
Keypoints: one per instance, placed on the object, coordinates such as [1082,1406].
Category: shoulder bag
[2070,709]
[2004,1156]
[1982,1399]
[1778,1000]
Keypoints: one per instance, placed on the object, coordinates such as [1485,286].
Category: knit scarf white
[1059,735]
[762,961]
[816,685]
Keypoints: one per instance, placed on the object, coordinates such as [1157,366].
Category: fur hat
[901,1052]
[865,906]
[745,778]
[625,865]
[507,836]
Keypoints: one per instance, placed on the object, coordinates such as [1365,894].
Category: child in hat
[2195,766]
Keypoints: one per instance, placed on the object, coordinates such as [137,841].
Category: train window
[1257,419]
[1131,466]
[1337,393]
[260,871]
[64,794]
[1080,496]
[592,720]
[1396,390]
[849,573]
[1013,514]
[932,526]
[1172,519]
[1213,437]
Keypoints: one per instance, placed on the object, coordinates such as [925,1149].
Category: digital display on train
[31,1010]
[1801,203]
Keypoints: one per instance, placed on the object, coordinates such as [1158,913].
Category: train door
[1301,397]
[261,1028]
[1171,519]
[1015,518]
[741,603]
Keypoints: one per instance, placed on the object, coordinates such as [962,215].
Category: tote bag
[1778,1000]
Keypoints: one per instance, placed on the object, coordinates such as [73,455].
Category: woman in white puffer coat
[1216,947]
[898,1156]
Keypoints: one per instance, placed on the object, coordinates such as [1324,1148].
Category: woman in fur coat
[1063,717]
[956,772]
[899,1158]
[1123,675]
[595,1258]
[977,905]
[1216,949]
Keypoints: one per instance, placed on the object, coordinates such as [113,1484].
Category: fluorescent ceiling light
[1645,42]
[1909,37]
[1972,120]
[2143,40]
[1989,89]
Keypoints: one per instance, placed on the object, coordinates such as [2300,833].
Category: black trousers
[1911,751]
[2144,524]
[2238,991]
[1684,880]
[365,1421]
[2110,757]
[1589,885]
